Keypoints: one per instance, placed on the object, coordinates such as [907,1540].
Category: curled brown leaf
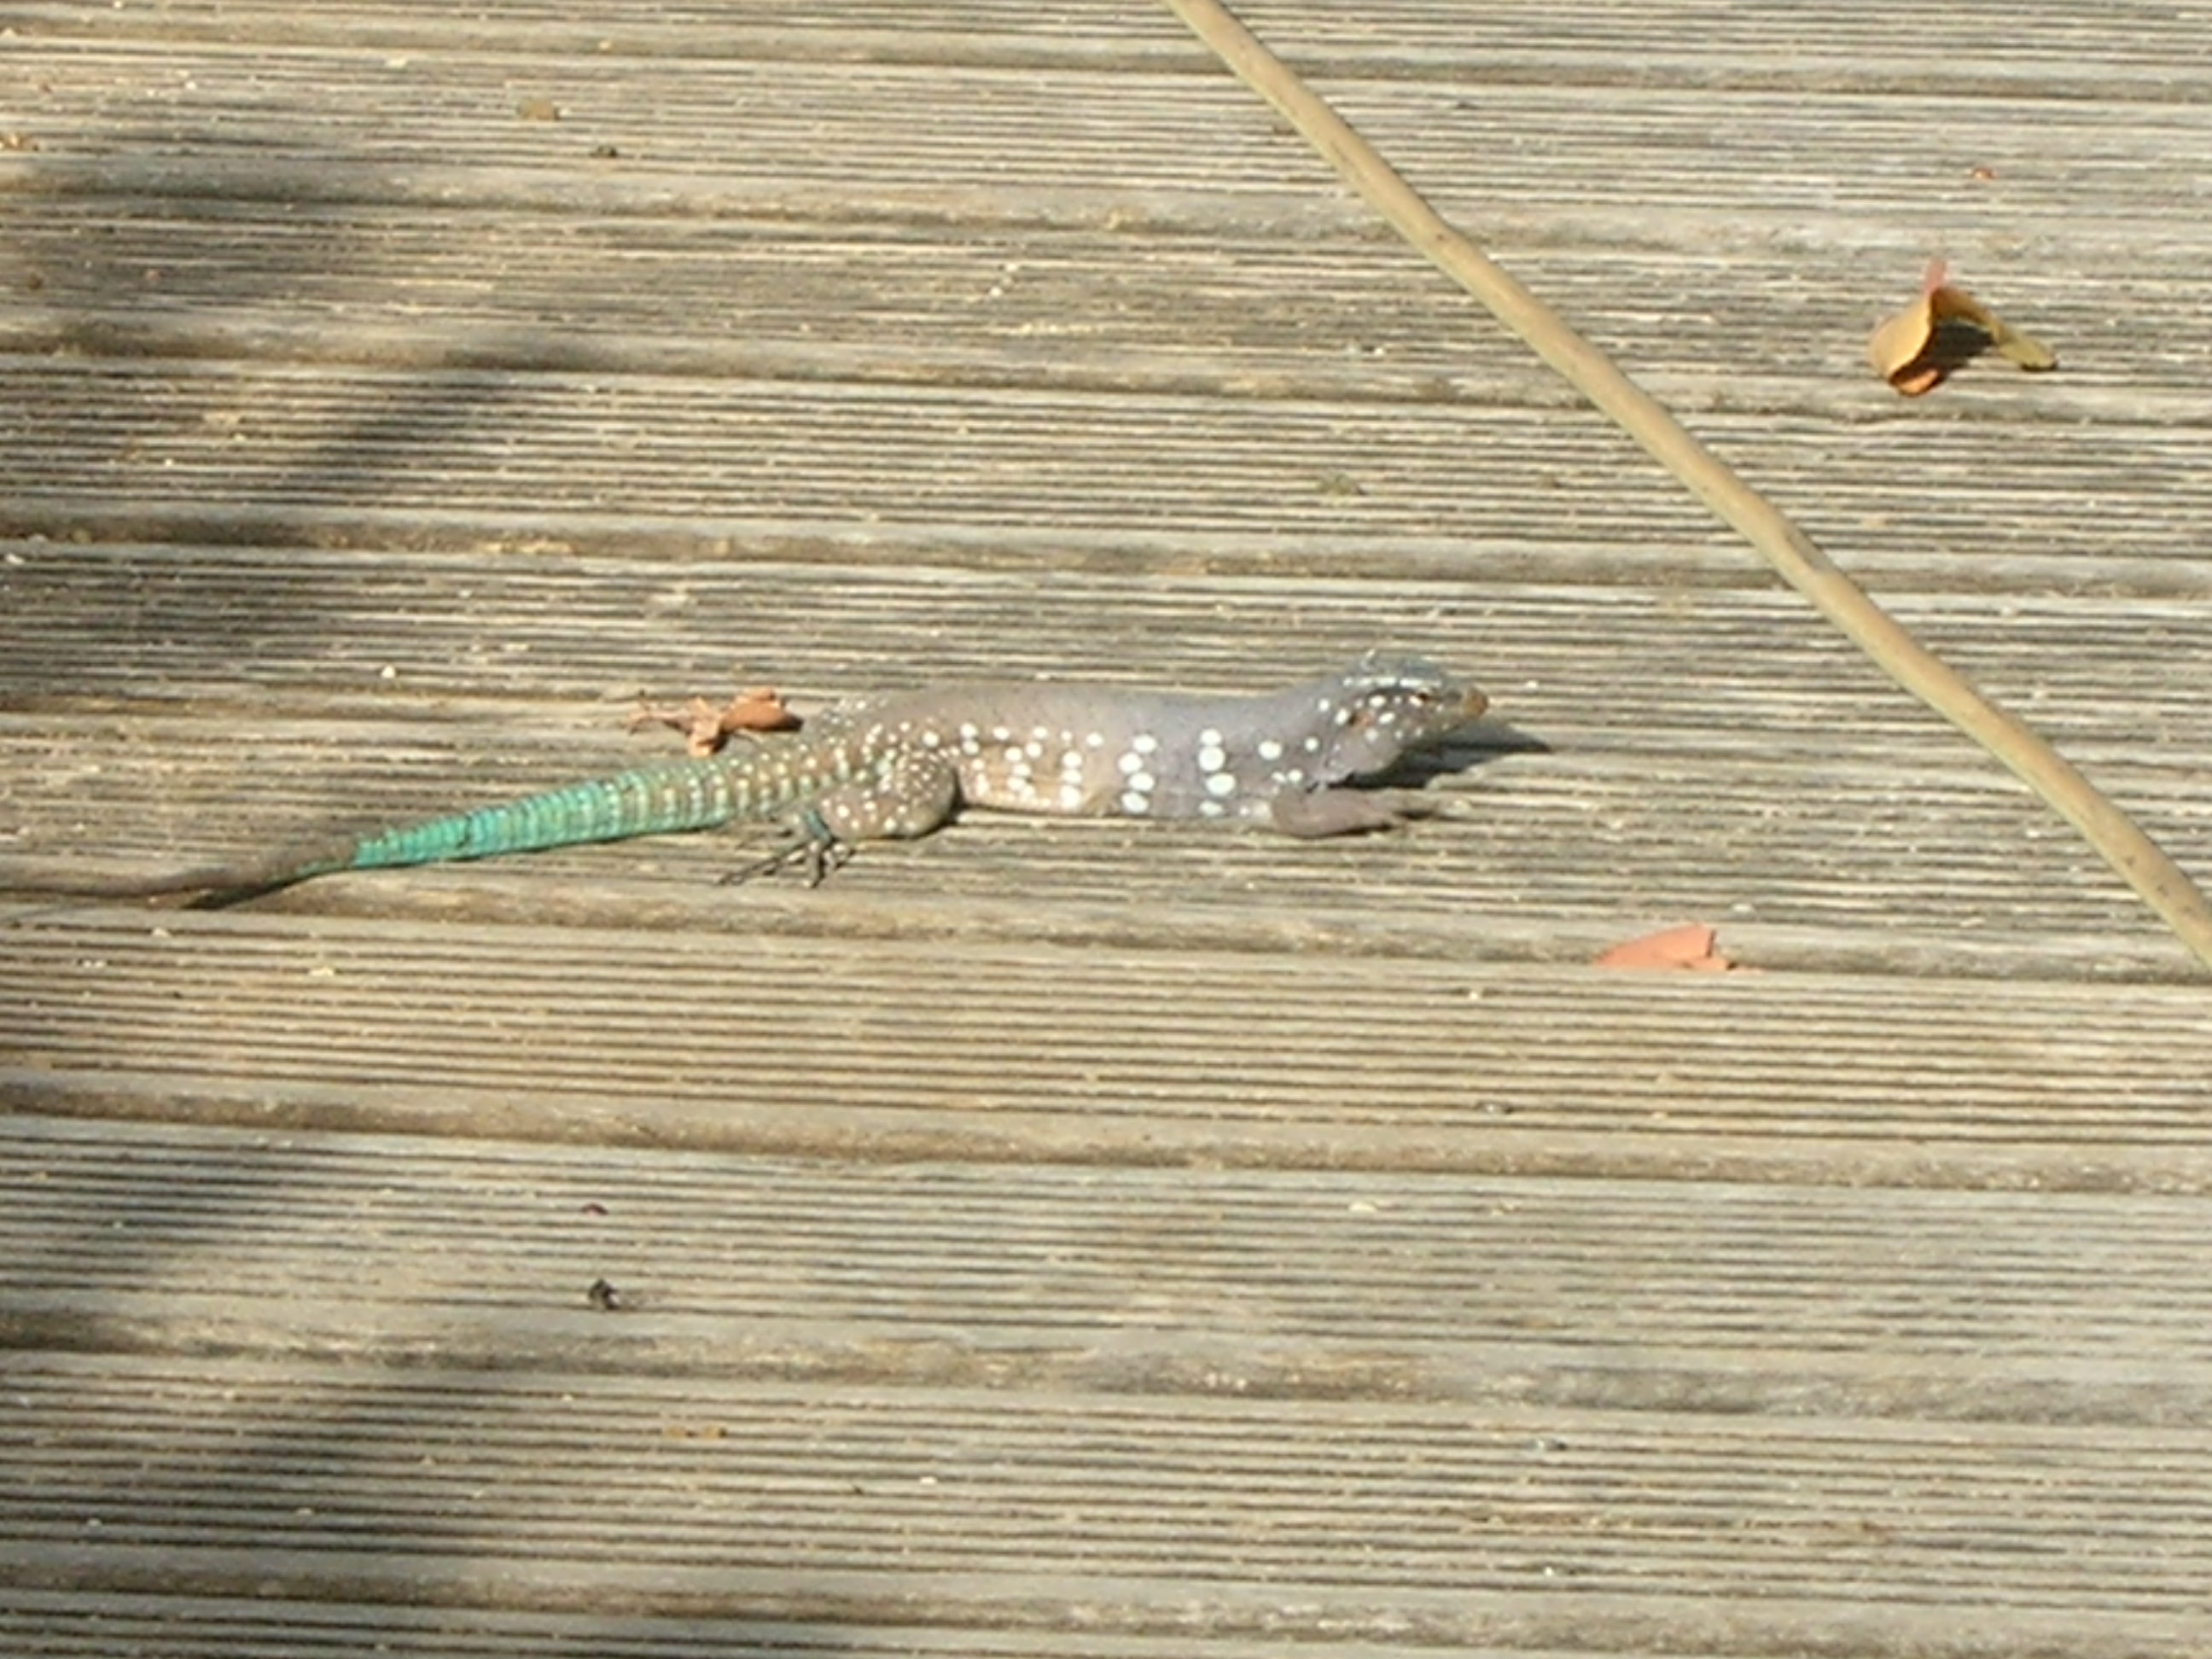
[1946,328]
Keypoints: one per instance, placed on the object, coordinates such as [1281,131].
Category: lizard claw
[812,842]
[824,856]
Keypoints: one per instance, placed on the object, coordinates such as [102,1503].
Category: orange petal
[1690,946]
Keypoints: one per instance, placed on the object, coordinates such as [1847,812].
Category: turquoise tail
[654,800]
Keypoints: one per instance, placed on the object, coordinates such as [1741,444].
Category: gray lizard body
[900,766]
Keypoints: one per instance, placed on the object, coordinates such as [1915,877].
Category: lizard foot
[1346,811]
[811,844]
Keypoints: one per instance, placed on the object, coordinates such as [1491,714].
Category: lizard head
[1384,708]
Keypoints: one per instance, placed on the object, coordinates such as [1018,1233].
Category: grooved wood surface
[1094,1241]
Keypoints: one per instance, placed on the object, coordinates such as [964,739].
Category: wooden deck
[1073,1239]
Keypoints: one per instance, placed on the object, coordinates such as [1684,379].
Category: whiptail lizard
[899,766]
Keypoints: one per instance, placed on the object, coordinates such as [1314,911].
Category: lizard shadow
[1475,744]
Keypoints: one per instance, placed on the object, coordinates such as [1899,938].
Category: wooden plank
[42,1625]
[1733,669]
[921,1046]
[1876,870]
[985,138]
[1736,670]
[1239,311]
[2022,1305]
[1362,1519]
[366,457]
[1712,754]
[1667,42]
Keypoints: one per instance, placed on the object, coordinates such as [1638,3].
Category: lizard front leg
[1318,813]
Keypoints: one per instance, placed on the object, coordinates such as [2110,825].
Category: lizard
[898,766]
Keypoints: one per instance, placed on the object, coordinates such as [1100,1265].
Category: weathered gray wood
[1381,1517]
[1075,1239]
[926,1045]
[1406,1278]
[1006,365]
[45,1624]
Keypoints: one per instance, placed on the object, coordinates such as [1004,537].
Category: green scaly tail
[654,800]
[651,800]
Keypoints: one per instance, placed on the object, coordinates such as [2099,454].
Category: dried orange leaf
[759,709]
[707,728]
[1690,946]
[1942,331]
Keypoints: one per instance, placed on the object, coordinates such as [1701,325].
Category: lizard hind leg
[907,796]
[811,841]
